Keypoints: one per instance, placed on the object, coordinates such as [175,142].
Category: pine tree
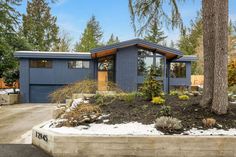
[39,26]
[190,43]
[113,40]
[91,36]
[189,39]
[64,43]
[10,39]
[155,34]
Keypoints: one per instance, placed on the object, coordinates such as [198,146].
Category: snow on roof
[47,54]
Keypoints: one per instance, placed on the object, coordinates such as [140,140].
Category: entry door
[102,80]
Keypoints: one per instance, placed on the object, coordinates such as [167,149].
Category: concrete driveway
[16,121]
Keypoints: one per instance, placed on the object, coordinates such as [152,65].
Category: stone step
[81,95]
[106,92]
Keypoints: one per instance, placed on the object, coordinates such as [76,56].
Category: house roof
[186,58]
[169,52]
[57,55]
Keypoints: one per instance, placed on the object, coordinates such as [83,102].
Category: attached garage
[40,93]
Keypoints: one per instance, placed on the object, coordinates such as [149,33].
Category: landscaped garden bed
[176,113]
[144,123]
[131,110]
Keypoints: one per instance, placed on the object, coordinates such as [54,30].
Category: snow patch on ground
[211,132]
[132,128]
[6,91]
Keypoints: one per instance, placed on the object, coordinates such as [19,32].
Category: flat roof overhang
[186,58]
[170,53]
[52,55]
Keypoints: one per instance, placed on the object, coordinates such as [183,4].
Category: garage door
[40,93]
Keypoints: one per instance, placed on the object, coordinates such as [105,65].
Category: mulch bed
[189,112]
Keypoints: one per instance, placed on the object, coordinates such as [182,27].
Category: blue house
[124,63]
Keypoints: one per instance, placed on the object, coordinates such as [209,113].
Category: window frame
[72,64]
[43,63]
[154,56]
[178,77]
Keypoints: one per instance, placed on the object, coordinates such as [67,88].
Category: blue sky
[114,17]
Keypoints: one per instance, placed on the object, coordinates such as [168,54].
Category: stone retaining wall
[9,99]
[61,145]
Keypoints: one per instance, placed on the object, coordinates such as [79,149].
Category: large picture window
[144,64]
[107,64]
[78,64]
[178,70]
[146,59]
[40,64]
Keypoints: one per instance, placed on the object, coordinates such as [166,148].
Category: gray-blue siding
[37,83]
[58,75]
[126,68]
[183,81]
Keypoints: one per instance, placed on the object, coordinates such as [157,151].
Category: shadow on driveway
[21,150]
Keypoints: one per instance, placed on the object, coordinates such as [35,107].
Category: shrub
[165,111]
[85,86]
[183,97]
[113,87]
[84,113]
[151,87]
[174,93]
[162,94]
[158,100]
[127,97]
[10,77]
[99,99]
[139,94]
[104,99]
[168,123]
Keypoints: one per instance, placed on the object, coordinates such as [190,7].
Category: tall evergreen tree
[91,36]
[113,40]
[155,34]
[39,26]
[64,43]
[10,39]
[189,39]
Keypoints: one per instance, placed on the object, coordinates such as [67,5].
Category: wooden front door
[102,80]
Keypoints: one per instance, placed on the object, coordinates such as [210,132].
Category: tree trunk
[209,39]
[220,96]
